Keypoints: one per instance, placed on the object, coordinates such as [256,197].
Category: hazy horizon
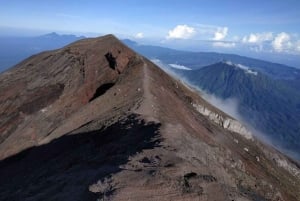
[285,59]
[268,29]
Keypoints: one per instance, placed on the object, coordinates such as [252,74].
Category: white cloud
[220,33]
[139,35]
[282,42]
[224,44]
[258,38]
[298,46]
[267,41]
[178,66]
[181,32]
[243,67]
[198,31]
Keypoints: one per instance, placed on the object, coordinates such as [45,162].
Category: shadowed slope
[64,168]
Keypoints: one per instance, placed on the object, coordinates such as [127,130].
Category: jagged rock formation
[75,128]
[226,122]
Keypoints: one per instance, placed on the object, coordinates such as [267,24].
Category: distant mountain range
[196,60]
[15,49]
[268,93]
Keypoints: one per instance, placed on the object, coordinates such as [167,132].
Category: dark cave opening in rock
[101,90]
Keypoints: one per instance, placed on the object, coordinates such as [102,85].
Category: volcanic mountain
[94,120]
[269,105]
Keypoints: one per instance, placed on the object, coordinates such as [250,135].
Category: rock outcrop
[226,122]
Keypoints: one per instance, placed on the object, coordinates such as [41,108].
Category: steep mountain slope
[94,120]
[271,106]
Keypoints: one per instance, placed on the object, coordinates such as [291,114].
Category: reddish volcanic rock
[80,69]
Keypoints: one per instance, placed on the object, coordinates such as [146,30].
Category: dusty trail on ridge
[148,107]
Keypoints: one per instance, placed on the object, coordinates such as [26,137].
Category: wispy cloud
[224,44]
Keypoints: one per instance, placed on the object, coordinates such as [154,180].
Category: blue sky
[269,26]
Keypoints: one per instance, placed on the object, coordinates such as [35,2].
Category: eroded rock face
[225,122]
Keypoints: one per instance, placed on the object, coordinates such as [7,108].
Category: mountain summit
[94,120]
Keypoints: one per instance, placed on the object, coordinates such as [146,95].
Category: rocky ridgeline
[225,122]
